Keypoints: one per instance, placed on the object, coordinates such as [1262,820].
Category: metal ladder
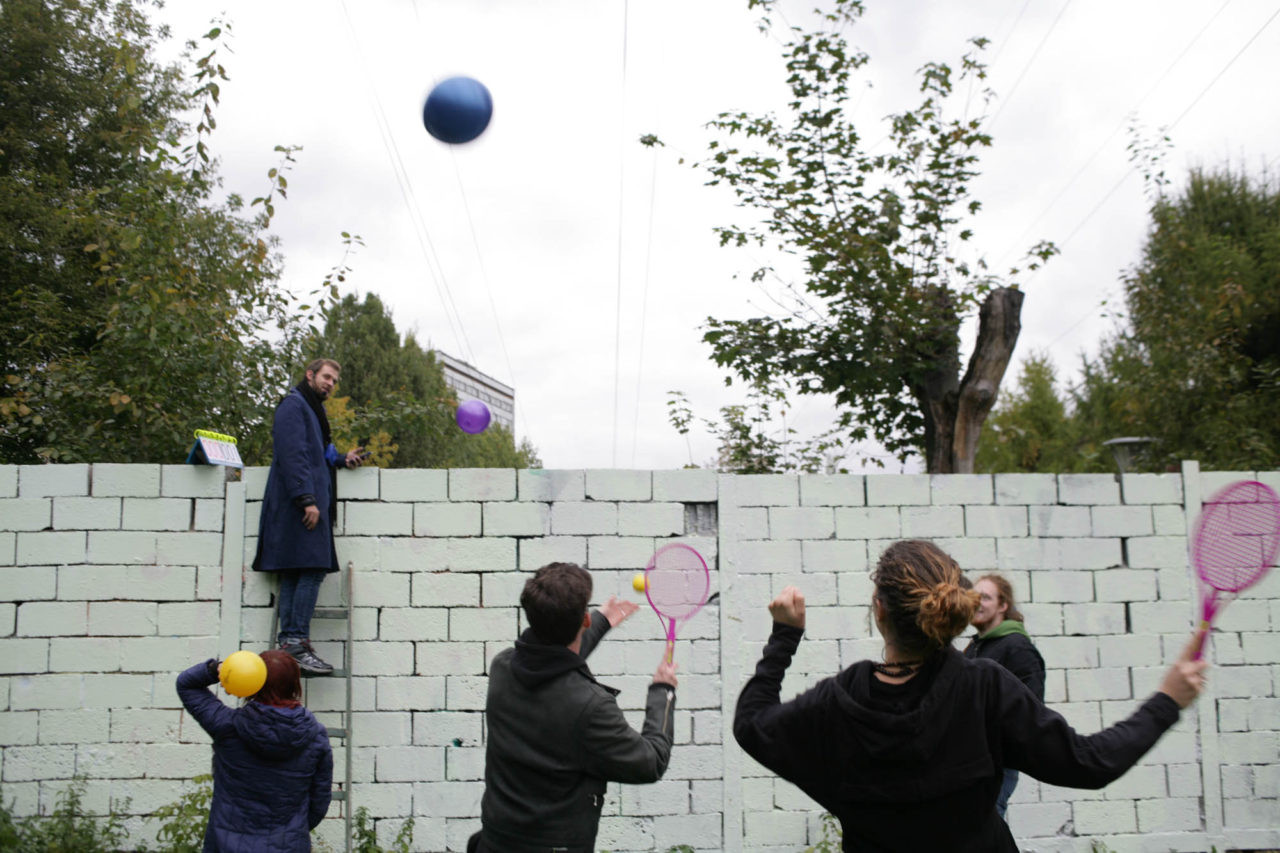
[342,732]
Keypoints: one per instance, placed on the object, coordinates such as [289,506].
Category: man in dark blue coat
[295,530]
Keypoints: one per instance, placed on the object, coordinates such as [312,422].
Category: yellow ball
[242,674]
[637,582]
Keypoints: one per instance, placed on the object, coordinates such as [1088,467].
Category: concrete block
[29,583]
[482,484]
[1126,585]
[135,618]
[208,514]
[52,619]
[124,547]
[448,658]
[1059,520]
[36,763]
[84,654]
[615,552]
[1062,586]
[759,490]
[1122,521]
[1027,489]
[931,522]
[833,556]
[382,659]
[972,554]
[40,692]
[1260,648]
[8,481]
[380,589]
[1090,489]
[369,518]
[23,656]
[651,519]
[413,623]
[738,523]
[159,513]
[1031,554]
[995,521]
[402,692]
[1089,553]
[584,518]
[104,583]
[961,489]
[188,549]
[1151,488]
[539,484]
[1068,652]
[484,623]
[1155,552]
[408,763]
[26,513]
[833,490]
[50,548]
[1159,617]
[1212,481]
[1131,650]
[536,553]
[466,692]
[767,556]
[872,522]
[806,522]
[394,553]
[414,485]
[78,726]
[8,623]
[480,555]
[689,485]
[898,490]
[186,618]
[523,518]
[618,485]
[502,589]
[1089,685]
[47,481]
[445,589]
[359,484]
[445,519]
[1169,520]
[8,549]
[164,655]
[18,729]
[192,481]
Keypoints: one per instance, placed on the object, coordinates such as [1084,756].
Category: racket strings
[1238,536]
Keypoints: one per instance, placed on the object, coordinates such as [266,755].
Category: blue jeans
[299,589]
[1006,790]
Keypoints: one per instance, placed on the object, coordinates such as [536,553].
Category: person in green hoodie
[1003,638]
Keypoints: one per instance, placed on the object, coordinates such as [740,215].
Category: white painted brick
[1096,489]
[29,583]
[1122,521]
[972,554]
[1089,553]
[1062,586]
[584,518]
[690,485]
[961,488]
[444,589]
[164,654]
[380,589]
[928,522]
[1156,552]
[52,619]
[536,553]
[1250,814]
[1086,685]
[1068,652]
[8,481]
[383,658]
[614,552]
[872,522]
[31,763]
[18,729]
[809,522]
[1032,820]
[482,484]
[479,624]
[40,692]
[1126,585]
[111,546]
[618,485]
[411,485]
[995,521]
[833,490]
[517,519]
[738,523]
[759,490]
[449,658]
[1152,488]
[393,553]
[8,624]
[187,549]
[8,549]
[650,519]
[466,692]
[44,548]
[79,726]
[413,623]
[157,514]
[408,763]
[409,692]
[480,555]
[1169,520]
[445,519]
[833,556]
[208,514]
[136,618]
[1029,489]
[503,589]
[854,587]
[26,513]
[1059,520]
[104,583]
[538,484]
[1034,554]
[23,656]
[767,556]
[359,484]
[1159,617]
[46,481]
[367,518]
[898,490]
[1260,648]
[192,481]
[1130,650]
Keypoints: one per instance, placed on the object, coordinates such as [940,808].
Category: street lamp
[1125,449]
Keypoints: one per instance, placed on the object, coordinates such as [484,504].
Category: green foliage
[832,836]
[138,307]
[183,822]
[364,835]
[880,231]
[396,400]
[67,829]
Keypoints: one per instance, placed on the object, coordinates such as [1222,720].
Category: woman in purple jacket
[272,763]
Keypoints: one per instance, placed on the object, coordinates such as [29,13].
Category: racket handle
[671,650]
[1203,635]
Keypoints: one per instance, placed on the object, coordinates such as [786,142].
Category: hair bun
[945,611]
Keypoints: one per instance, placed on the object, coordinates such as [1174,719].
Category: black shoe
[308,661]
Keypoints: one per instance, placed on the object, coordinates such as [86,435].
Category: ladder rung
[329,613]
[336,731]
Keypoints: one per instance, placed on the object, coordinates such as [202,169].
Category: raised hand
[617,611]
[788,607]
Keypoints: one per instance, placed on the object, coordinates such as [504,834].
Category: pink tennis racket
[1234,544]
[677,582]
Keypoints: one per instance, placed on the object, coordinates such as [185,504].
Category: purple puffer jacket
[272,770]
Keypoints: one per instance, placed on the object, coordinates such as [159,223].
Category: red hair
[283,686]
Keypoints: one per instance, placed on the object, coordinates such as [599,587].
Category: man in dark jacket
[1002,638]
[555,735]
[295,528]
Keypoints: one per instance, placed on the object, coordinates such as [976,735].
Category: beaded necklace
[898,669]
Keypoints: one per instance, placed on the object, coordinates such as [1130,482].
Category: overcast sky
[520,252]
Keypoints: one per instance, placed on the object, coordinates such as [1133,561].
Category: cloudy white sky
[559,256]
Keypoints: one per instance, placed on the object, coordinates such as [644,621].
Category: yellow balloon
[638,582]
[242,674]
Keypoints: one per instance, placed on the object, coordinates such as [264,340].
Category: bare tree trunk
[936,389]
[999,322]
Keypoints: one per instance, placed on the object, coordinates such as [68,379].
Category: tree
[1197,366]
[877,320]
[395,399]
[138,308]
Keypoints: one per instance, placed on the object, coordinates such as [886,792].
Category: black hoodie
[917,766]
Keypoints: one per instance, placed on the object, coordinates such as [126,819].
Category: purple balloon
[473,416]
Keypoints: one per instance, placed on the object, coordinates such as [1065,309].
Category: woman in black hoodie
[909,753]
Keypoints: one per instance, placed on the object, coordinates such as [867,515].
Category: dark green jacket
[556,736]
[1009,645]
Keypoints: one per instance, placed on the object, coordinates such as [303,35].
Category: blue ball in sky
[457,110]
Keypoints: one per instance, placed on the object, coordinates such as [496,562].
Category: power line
[1023,73]
[644,301]
[617,326]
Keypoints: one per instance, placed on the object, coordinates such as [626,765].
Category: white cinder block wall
[115,577]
